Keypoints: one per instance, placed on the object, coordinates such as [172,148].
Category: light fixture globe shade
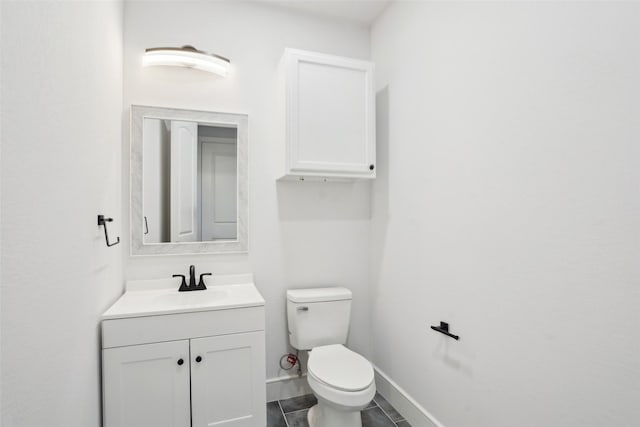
[186,56]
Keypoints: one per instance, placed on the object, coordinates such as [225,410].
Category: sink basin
[154,297]
[198,298]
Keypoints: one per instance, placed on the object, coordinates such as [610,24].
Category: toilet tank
[318,316]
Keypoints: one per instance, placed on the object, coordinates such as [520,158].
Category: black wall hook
[444,329]
[103,221]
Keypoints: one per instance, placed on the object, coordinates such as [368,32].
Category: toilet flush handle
[303,308]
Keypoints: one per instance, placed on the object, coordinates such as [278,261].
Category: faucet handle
[183,285]
[201,286]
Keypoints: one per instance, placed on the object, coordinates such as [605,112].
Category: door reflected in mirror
[190,181]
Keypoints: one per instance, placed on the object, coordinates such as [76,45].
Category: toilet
[341,379]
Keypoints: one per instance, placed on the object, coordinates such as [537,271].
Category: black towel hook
[103,221]
[444,329]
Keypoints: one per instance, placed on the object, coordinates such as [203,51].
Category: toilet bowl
[341,379]
[343,383]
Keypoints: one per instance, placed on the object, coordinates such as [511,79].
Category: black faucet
[192,281]
[192,276]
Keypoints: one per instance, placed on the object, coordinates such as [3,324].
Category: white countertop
[157,297]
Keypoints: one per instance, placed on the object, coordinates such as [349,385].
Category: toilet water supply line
[292,360]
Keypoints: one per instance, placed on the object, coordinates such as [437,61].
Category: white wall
[61,151]
[156,144]
[300,234]
[507,204]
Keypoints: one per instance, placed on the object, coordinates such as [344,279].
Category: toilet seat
[339,368]
[345,400]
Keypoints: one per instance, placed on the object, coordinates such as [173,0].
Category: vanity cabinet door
[147,385]
[228,380]
[330,115]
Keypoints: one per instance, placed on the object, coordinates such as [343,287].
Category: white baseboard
[287,386]
[403,403]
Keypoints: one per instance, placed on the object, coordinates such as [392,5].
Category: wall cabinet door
[227,380]
[330,109]
[147,385]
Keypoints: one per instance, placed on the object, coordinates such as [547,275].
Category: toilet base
[323,415]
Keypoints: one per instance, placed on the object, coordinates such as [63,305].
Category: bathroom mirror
[188,181]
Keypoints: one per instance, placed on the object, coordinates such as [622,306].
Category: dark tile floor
[293,413]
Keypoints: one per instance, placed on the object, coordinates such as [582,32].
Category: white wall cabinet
[214,376]
[329,108]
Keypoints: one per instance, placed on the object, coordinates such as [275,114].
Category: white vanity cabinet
[196,362]
[225,389]
[146,385]
[329,109]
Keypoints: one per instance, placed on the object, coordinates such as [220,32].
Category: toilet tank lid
[318,294]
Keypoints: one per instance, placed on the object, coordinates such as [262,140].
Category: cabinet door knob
[371,167]
[180,361]
[198,359]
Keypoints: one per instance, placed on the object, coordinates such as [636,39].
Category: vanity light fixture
[186,56]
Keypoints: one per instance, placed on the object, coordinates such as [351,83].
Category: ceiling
[362,12]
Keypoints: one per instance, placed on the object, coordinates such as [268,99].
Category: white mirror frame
[138,247]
